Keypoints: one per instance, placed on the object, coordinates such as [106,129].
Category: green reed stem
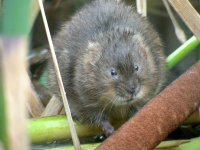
[3,120]
[182,52]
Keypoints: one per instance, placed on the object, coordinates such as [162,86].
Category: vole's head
[120,69]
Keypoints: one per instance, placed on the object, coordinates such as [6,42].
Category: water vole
[111,62]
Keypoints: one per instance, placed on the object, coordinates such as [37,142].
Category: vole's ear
[144,51]
[93,53]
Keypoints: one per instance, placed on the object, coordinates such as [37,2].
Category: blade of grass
[192,144]
[182,52]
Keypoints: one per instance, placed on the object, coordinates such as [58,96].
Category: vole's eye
[113,72]
[136,68]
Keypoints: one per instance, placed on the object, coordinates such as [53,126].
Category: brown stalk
[161,116]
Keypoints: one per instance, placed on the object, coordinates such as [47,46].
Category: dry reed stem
[53,107]
[75,138]
[142,7]
[34,12]
[34,105]
[189,15]
[43,93]
[16,83]
[178,30]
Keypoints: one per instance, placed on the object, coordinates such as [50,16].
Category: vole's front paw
[107,128]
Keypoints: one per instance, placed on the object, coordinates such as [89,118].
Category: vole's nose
[131,90]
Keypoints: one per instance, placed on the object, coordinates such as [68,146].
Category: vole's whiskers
[101,114]
[91,105]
